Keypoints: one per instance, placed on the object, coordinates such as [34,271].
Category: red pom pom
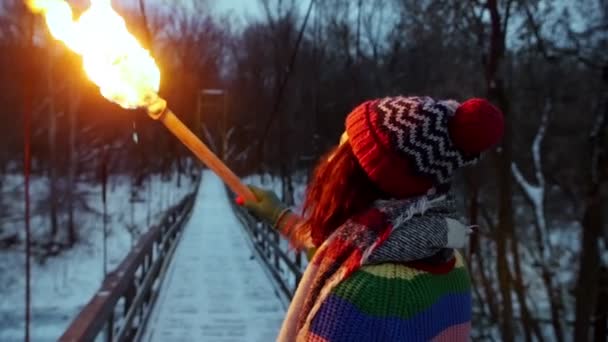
[476,126]
[240,201]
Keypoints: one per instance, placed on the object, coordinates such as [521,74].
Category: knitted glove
[268,207]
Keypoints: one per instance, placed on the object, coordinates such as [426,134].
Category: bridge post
[277,241]
[110,328]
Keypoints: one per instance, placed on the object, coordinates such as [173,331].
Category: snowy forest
[269,92]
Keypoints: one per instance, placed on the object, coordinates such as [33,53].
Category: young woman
[380,218]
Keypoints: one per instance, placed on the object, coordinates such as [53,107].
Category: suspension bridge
[208,272]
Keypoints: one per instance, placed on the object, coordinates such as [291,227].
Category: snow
[560,243]
[215,289]
[536,192]
[62,285]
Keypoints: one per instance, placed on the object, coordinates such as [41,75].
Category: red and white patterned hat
[409,145]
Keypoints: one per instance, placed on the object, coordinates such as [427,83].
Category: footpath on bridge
[215,290]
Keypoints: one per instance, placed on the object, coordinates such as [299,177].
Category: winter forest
[268,90]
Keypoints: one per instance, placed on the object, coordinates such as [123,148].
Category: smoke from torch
[124,71]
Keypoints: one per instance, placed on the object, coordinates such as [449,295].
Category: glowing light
[112,58]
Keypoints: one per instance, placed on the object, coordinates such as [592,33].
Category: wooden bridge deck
[215,290]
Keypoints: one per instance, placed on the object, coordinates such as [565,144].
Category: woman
[379,216]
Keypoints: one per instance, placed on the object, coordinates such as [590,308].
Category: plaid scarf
[390,231]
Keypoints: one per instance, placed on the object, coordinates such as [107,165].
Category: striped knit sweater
[395,302]
[365,284]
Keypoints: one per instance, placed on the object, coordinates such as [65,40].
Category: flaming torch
[124,71]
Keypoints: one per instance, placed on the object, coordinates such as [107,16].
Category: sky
[241,10]
[239,7]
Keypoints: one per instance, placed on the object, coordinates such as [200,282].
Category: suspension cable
[283,85]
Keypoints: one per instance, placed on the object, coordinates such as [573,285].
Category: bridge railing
[285,264]
[120,308]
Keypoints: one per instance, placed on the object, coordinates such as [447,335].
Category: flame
[113,59]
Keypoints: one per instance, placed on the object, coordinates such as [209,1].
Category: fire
[112,58]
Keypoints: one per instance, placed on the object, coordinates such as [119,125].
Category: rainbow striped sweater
[384,275]
[396,302]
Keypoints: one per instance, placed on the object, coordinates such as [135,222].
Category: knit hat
[409,145]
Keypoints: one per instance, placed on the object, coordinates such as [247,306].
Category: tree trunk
[505,227]
[473,191]
[475,243]
[530,326]
[103,175]
[601,312]
[553,296]
[358,43]
[589,267]
[285,161]
[590,261]
[52,143]
[74,102]
[504,277]
[488,289]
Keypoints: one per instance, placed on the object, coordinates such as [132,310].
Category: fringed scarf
[415,229]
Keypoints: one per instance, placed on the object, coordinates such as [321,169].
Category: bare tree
[590,262]
[53,198]
[536,196]
[583,46]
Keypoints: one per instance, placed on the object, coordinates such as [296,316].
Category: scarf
[390,231]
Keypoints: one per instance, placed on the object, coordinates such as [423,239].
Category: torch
[158,110]
[124,71]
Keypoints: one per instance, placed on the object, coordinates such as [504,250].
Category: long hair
[338,190]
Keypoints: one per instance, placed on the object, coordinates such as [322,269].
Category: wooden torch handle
[185,135]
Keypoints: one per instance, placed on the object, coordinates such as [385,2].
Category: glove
[268,207]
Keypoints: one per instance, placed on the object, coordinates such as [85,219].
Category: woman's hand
[268,207]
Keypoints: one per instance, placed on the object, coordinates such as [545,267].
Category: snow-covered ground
[215,289]
[62,285]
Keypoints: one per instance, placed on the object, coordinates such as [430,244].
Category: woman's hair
[338,190]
